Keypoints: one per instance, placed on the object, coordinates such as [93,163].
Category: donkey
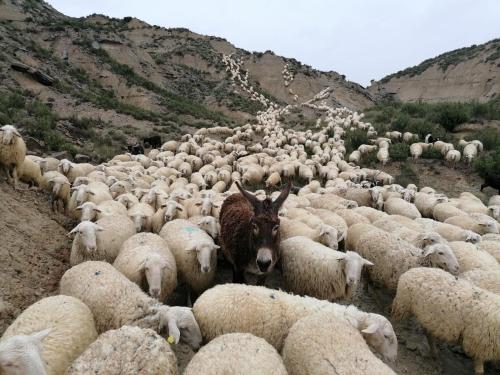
[250,233]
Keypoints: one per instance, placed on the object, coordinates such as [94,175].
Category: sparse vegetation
[407,175]
[487,165]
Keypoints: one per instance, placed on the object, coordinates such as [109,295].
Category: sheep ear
[41,335]
[99,228]
[16,133]
[367,263]
[79,208]
[371,329]
[341,237]
[91,192]
[428,251]
[97,209]
[197,204]
[179,207]
[73,231]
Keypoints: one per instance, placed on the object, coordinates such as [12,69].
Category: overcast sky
[362,39]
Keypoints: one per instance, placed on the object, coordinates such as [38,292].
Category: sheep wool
[71,326]
[322,344]
[126,351]
[236,353]
[459,312]
[487,280]
[470,257]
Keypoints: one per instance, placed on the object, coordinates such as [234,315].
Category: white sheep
[310,268]
[115,301]
[269,314]
[453,157]
[487,280]
[240,353]
[146,260]
[100,240]
[195,254]
[443,211]
[479,225]
[12,152]
[30,172]
[392,256]
[74,170]
[383,155]
[469,153]
[142,216]
[60,191]
[171,210]
[110,208]
[490,246]
[398,206]
[322,233]
[208,223]
[134,351]
[459,312]
[471,257]
[22,354]
[425,203]
[322,343]
[70,329]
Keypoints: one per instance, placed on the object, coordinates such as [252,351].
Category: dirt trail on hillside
[34,251]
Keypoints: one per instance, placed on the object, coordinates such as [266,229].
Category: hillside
[465,74]
[99,83]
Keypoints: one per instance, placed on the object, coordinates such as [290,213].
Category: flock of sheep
[148,223]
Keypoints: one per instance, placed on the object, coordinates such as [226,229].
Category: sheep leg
[15,178]
[478,367]
[432,344]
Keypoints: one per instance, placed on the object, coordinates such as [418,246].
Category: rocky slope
[108,81]
[465,74]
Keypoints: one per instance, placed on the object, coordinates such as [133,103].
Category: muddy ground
[34,253]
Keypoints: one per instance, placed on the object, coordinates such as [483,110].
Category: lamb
[30,173]
[470,257]
[150,264]
[269,314]
[134,351]
[398,206]
[142,216]
[318,271]
[250,232]
[195,254]
[459,312]
[69,329]
[12,152]
[240,353]
[115,301]
[320,343]
[324,234]
[100,240]
[25,352]
[392,257]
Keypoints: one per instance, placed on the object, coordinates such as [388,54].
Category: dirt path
[34,251]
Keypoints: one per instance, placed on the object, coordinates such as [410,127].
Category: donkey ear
[252,199]
[282,197]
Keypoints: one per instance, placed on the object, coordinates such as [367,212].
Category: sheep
[469,153]
[60,191]
[30,173]
[470,257]
[70,329]
[494,200]
[315,270]
[269,314]
[127,199]
[22,354]
[487,280]
[459,312]
[443,211]
[330,202]
[100,240]
[392,257]
[74,170]
[141,214]
[110,208]
[322,343]
[150,264]
[398,206]
[363,197]
[88,211]
[494,212]
[273,180]
[48,164]
[322,233]
[115,301]
[171,210]
[453,157]
[479,226]
[240,353]
[416,150]
[354,233]
[12,152]
[351,217]
[491,247]
[425,203]
[208,223]
[134,351]
[195,254]
[454,233]
[370,213]
[383,155]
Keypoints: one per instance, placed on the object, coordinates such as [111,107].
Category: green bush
[354,139]
[488,164]
[431,153]
[450,115]
[407,175]
[399,152]
[490,137]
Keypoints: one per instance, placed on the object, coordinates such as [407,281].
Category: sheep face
[140,222]
[472,237]
[210,225]
[352,265]
[330,236]
[88,211]
[181,325]
[154,266]
[379,334]
[22,354]
[9,134]
[65,166]
[171,208]
[441,256]
[488,226]
[88,234]
[204,254]
[494,212]
[430,238]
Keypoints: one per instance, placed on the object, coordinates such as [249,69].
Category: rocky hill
[93,84]
[465,74]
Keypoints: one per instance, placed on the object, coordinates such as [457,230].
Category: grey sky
[362,39]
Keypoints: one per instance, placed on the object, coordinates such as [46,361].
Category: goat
[154,141]
[136,149]
[250,233]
